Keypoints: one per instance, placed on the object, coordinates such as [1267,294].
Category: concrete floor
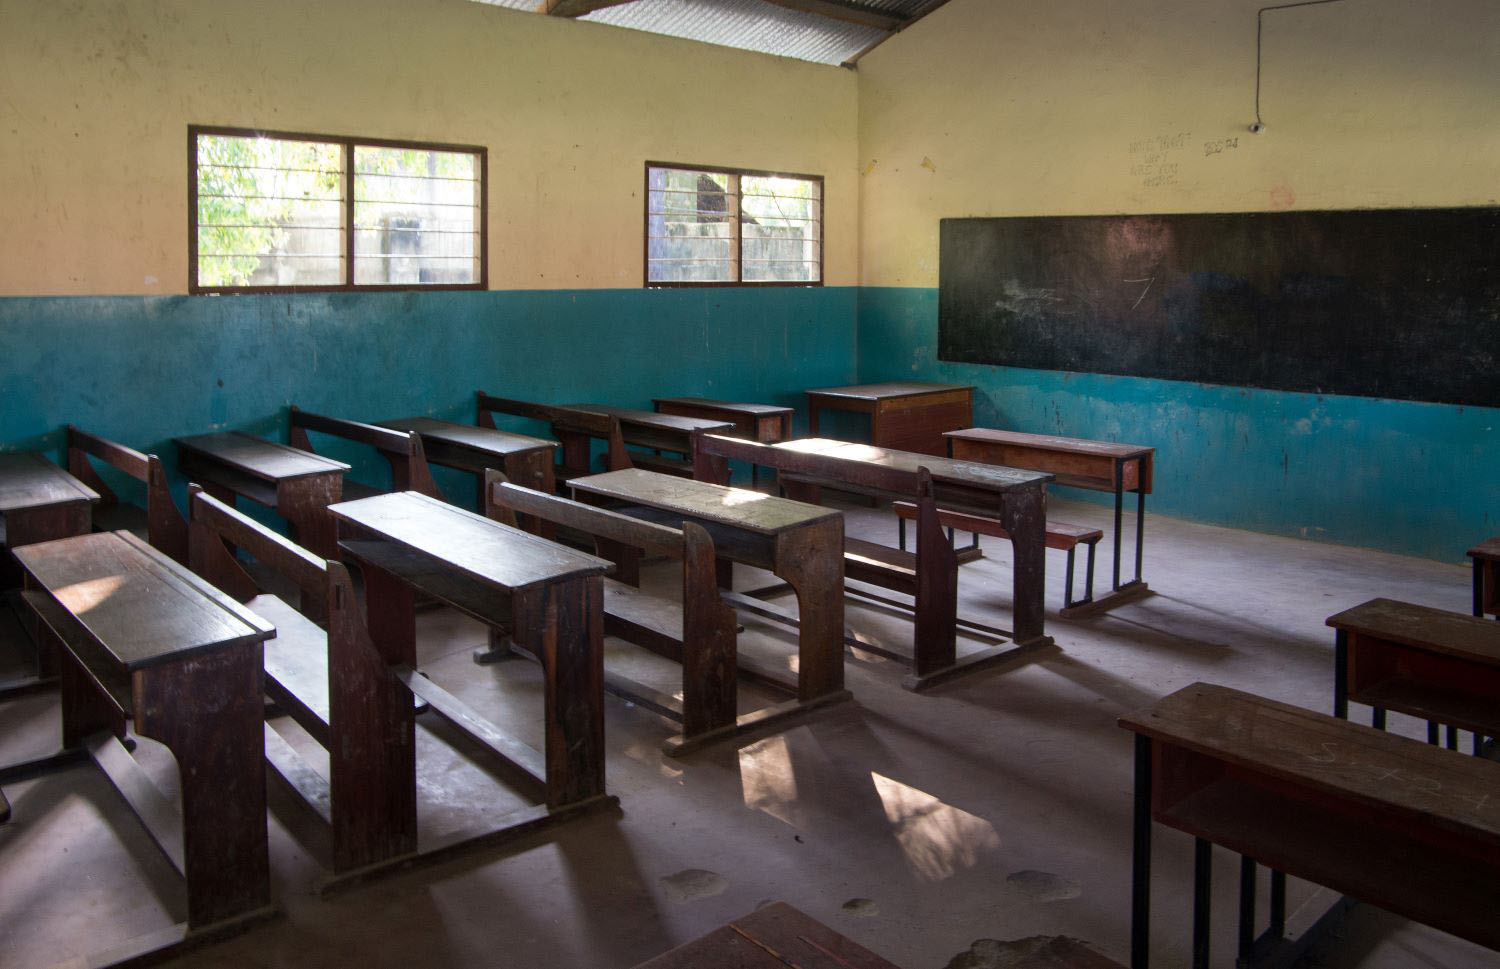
[994,808]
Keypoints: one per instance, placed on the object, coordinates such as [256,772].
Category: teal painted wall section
[1418,479]
[141,370]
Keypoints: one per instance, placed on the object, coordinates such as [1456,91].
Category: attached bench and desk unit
[550,596]
[1408,827]
[1094,465]
[1016,498]
[401,449]
[697,631]
[141,638]
[297,484]
[659,432]
[798,543]
[1438,666]
[762,423]
[476,448]
[575,429]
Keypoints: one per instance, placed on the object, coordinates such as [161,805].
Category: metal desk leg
[1140,874]
[1247,909]
[1340,674]
[1203,856]
[1140,514]
[1119,510]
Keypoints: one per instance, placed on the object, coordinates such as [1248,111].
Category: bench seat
[681,467]
[296,664]
[1060,535]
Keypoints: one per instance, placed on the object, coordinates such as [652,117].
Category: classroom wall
[98,94]
[1087,107]
[144,369]
[95,100]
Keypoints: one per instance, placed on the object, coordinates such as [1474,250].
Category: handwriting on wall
[1156,160]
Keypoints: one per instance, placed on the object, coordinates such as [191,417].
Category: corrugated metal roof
[751,24]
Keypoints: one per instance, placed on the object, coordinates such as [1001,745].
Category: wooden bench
[1060,535]
[774,936]
[160,523]
[1439,666]
[402,450]
[347,714]
[575,429]
[180,660]
[1377,817]
[1486,556]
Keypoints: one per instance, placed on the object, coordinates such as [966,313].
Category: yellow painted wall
[1096,106]
[96,97]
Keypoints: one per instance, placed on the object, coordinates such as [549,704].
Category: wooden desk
[141,637]
[775,936]
[1443,667]
[906,415]
[659,432]
[1095,465]
[39,501]
[521,458]
[758,422]
[549,594]
[299,485]
[1018,499]
[1397,823]
[1486,556]
[800,543]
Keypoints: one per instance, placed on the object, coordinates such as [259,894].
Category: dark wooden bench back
[166,529]
[503,501]
[214,526]
[402,450]
[572,425]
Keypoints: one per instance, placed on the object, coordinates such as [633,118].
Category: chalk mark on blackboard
[1148,281]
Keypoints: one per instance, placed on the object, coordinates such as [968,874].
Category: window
[724,227]
[276,211]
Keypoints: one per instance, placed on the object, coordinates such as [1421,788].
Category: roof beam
[848,12]
[576,8]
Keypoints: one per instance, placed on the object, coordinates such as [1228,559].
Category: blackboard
[1377,303]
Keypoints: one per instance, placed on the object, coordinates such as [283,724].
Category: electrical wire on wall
[1258,126]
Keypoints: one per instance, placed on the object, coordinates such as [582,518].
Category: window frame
[347,144]
[739,239]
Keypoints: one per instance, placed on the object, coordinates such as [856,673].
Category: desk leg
[304,503]
[208,710]
[935,643]
[563,624]
[1024,515]
[814,410]
[1341,674]
[372,747]
[1140,876]
[1140,515]
[85,710]
[1247,909]
[811,561]
[529,469]
[1119,515]
[1479,588]
[1203,865]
